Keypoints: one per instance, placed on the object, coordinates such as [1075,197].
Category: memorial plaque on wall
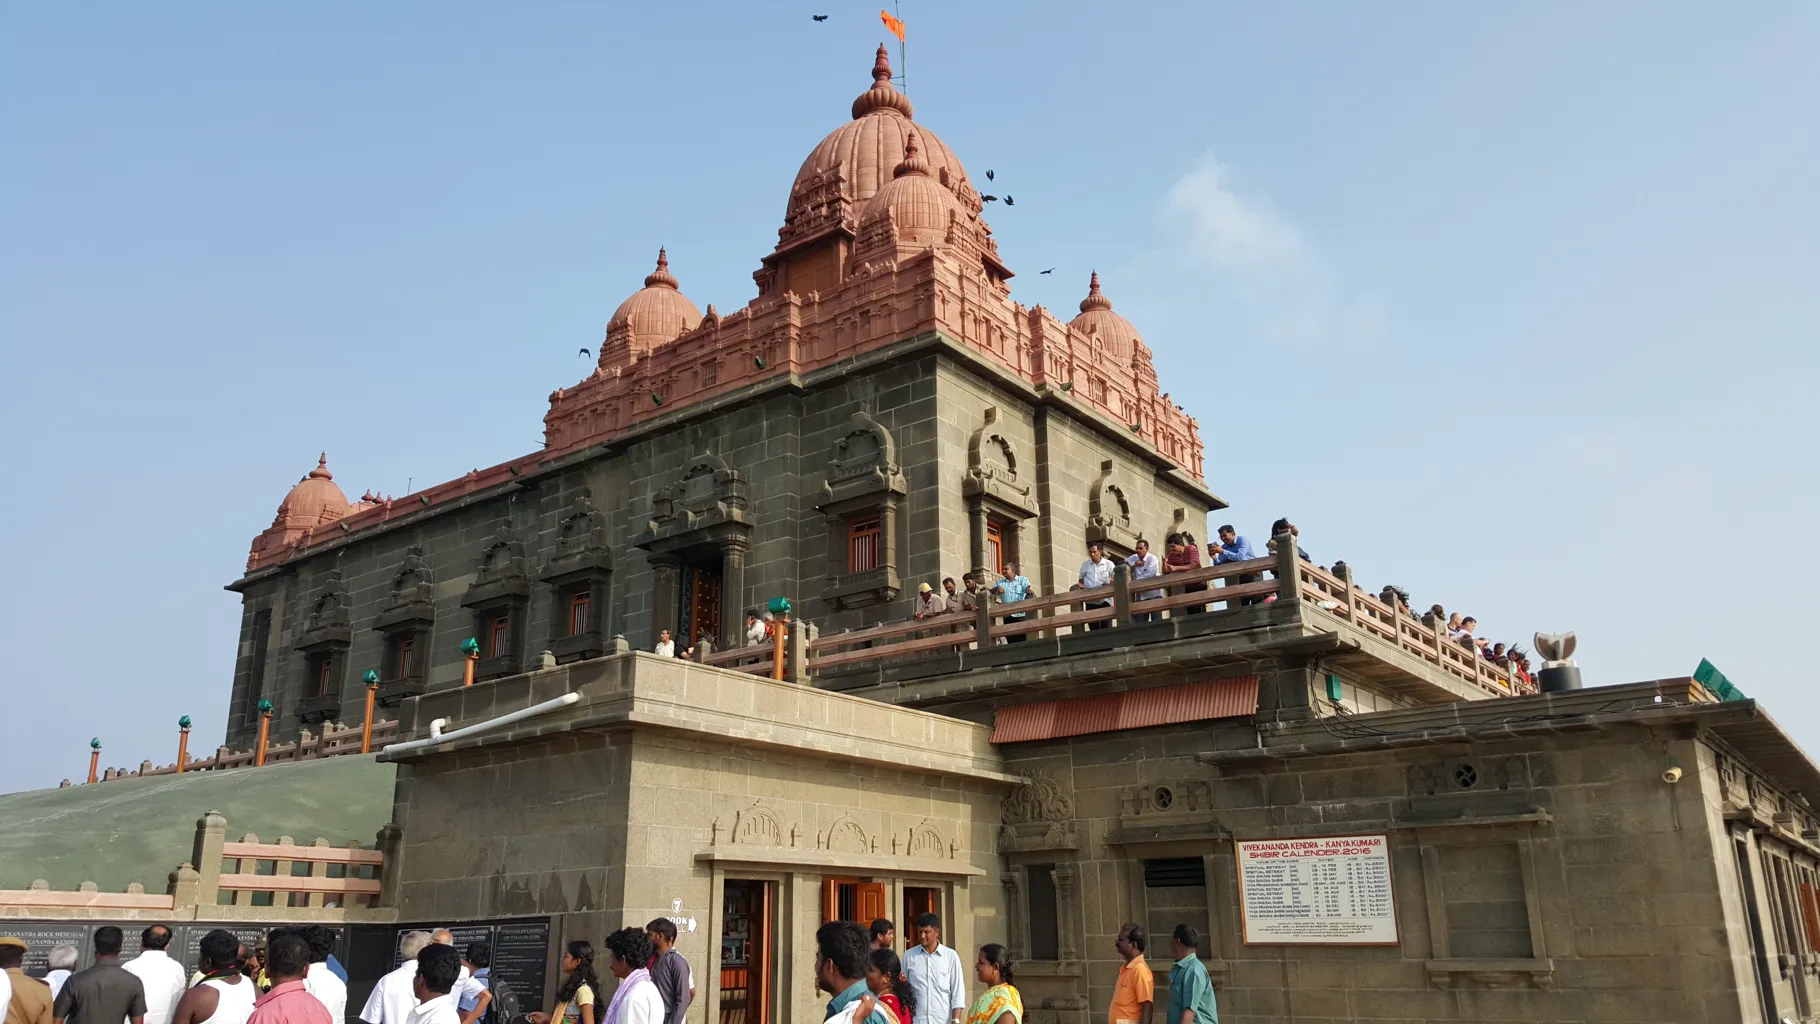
[1332,891]
[40,939]
[521,953]
[191,937]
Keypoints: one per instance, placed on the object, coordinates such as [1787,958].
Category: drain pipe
[438,736]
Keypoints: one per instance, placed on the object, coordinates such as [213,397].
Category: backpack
[504,1008]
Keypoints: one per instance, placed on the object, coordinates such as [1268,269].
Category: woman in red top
[885,977]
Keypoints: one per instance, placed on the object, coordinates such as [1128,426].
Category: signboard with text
[1329,891]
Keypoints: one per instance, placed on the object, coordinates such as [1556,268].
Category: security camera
[1671,775]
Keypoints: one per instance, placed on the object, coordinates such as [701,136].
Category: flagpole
[902,60]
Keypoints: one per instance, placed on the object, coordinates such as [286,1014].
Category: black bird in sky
[1051,270]
[583,354]
[988,199]
[988,174]
[1009,201]
[819,17]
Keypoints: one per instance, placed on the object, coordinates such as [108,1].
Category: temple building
[1365,819]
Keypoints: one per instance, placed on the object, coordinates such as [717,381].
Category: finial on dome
[1094,299]
[913,162]
[321,472]
[882,95]
[661,277]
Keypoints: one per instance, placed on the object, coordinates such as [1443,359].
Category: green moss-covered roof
[138,830]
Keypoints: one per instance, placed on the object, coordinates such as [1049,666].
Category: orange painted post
[94,758]
[470,653]
[777,647]
[366,730]
[265,732]
[183,741]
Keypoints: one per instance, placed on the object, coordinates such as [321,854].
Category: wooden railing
[332,878]
[333,741]
[1057,614]
[1340,597]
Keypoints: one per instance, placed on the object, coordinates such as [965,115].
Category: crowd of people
[869,984]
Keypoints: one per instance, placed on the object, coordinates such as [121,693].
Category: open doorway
[849,899]
[747,952]
[701,598]
[919,900]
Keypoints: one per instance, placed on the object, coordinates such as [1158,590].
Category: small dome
[865,150]
[1097,320]
[658,313]
[315,501]
[915,202]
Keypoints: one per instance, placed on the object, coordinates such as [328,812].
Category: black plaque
[521,954]
[40,939]
[192,939]
[465,934]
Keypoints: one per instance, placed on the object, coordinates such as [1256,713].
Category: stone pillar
[205,856]
[1121,593]
[796,653]
[982,610]
[1067,916]
[1015,925]
[391,844]
[732,593]
[185,890]
[1289,568]
[887,534]
[976,518]
[666,596]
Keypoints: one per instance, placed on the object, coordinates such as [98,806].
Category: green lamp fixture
[470,648]
[265,707]
[184,722]
[779,606]
[371,678]
[95,744]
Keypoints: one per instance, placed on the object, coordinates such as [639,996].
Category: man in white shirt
[438,966]
[1096,571]
[395,996]
[935,975]
[666,647]
[444,937]
[162,977]
[63,960]
[1144,565]
[321,982]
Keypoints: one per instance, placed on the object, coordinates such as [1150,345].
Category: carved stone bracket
[707,505]
[1109,512]
[992,471]
[503,571]
[329,622]
[412,600]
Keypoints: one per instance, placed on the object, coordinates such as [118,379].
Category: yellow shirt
[1135,985]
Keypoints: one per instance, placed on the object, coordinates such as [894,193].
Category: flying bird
[988,174]
[1051,270]
[583,354]
[988,199]
[819,17]
[1009,201]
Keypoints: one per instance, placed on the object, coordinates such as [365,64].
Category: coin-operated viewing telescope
[1559,673]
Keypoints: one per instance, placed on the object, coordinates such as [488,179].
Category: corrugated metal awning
[1233,697]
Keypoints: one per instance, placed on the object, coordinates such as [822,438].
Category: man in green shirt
[1190,990]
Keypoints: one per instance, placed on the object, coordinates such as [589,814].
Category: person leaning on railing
[1181,556]
[1234,548]
[1010,589]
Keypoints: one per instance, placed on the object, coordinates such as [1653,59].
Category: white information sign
[1332,891]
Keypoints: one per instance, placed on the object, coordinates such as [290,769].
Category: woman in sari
[884,976]
[1000,1003]
[575,997]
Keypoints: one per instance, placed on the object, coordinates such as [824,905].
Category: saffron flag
[896,26]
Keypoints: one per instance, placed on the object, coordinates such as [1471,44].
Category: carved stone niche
[580,574]
[705,513]
[499,597]
[1164,811]
[406,620]
[998,498]
[1109,520]
[859,498]
[1456,788]
[1179,525]
[324,642]
[1038,815]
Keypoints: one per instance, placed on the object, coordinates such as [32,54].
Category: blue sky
[1513,306]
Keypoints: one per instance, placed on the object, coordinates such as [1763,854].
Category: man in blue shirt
[1012,588]
[1191,998]
[842,954]
[1234,548]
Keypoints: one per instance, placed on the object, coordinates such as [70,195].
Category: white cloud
[1263,260]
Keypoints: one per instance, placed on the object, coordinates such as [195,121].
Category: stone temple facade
[1365,821]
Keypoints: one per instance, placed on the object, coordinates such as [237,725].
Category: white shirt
[6,989]
[437,1010]
[1096,574]
[164,980]
[938,980]
[234,1003]
[393,999]
[55,980]
[643,1005]
[665,649]
[321,982]
[1144,567]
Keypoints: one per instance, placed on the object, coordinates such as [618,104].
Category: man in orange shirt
[1135,992]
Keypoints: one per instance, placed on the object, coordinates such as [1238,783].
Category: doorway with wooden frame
[748,942]
[851,899]
[918,900]
[701,599]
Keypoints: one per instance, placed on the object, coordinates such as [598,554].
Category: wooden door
[917,902]
[759,994]
[871,902]
[703,607]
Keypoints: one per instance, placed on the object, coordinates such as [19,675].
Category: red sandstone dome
[315,501]
[866,150]
[658,313]
[918,205]
[1101,324]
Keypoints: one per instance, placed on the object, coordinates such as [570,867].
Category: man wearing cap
[928,603]
[31,998]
